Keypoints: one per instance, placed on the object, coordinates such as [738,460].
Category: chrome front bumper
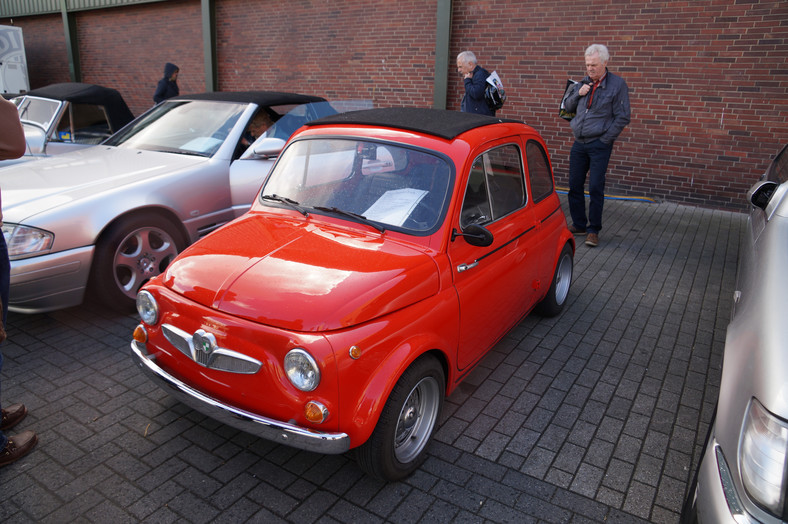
[269,429]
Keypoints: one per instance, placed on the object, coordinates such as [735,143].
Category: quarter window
[539,172]
[495,186]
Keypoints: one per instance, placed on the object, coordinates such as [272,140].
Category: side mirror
[475,235]
[268,147]
[760,194]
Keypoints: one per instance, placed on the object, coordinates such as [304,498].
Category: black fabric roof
[261,98]
[118,112]
[438,122]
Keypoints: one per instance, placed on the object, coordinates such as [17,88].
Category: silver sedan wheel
[141,255]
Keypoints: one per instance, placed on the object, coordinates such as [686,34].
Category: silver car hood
[33,187]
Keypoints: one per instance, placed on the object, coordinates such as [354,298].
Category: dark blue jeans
[5,282]
[588,159]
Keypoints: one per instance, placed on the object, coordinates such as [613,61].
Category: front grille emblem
[204,341]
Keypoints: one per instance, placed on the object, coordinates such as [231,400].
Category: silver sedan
[743,474]
[105,219]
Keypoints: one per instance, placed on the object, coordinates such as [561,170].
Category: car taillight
[763,453]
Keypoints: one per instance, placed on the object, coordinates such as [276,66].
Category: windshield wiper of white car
[360,218]
[292,203]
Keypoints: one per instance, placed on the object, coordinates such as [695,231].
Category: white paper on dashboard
[395,206]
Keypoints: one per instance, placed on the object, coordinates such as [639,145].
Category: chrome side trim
[263,427]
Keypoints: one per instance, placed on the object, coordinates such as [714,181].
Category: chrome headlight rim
[147,307]
[302,370]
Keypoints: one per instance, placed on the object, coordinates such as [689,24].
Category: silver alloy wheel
[563,278]
[141,255]
[416,420]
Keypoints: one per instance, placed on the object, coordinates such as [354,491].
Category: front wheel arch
[410,416]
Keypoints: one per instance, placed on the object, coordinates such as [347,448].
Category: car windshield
[299,115]
[34,110]
[386,185]
[192,127]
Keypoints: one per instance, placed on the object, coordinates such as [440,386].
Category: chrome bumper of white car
[269,429]
[50,282]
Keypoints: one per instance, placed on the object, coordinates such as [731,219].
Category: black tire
[552,304]
[397,446]
[129,253]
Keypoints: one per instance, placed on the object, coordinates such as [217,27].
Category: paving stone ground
[596,415]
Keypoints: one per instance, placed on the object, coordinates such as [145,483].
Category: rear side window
[495,186]
[539,171]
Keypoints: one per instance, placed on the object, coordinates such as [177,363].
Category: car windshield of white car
[197,127]
[39,111]
[392,185]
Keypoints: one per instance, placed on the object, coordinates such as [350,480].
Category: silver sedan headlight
[25,241]
[302,369]
[764,444]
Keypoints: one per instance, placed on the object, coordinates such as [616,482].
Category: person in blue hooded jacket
[167,86]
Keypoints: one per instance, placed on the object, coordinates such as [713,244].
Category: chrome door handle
[465,267]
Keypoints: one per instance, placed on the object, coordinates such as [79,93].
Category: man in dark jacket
[167,86]
[601,104]
[475,79]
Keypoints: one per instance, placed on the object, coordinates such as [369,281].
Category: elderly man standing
[601,104]
[475,79]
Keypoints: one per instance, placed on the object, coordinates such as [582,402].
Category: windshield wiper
[292,203]
[350,214]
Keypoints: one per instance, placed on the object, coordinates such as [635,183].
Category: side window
[495,186]
[539,171]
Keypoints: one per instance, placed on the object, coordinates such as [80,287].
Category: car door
[493,283]
[546,208]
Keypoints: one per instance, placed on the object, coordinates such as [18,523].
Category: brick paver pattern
[596,415]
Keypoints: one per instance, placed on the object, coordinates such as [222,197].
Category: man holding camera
[601,105]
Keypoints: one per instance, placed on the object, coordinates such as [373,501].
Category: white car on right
[743,472]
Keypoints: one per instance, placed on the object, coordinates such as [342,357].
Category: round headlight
[302,369]
[147,308]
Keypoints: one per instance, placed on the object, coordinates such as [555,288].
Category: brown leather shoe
[18,446]
[12,416]
[576,230]
[592,240]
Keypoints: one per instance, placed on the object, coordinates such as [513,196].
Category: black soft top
[261,98]
[438,122]
[118,112]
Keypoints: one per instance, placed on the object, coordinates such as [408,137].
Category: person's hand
[469,76]
[584,89]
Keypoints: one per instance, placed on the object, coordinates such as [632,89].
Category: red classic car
[386,253]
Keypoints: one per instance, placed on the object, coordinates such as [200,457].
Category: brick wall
[708,78]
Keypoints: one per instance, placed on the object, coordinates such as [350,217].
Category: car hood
[29,188]
[301,274]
